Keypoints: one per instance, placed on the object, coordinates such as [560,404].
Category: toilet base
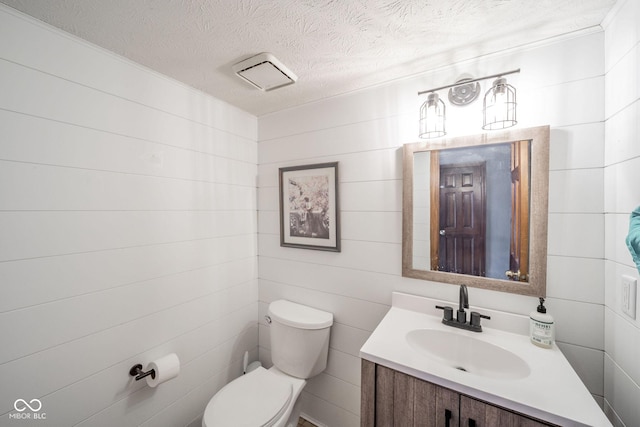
[290,417]
[295,414]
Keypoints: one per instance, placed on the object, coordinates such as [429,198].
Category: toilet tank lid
[299,316]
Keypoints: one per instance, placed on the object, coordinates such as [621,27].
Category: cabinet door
[404,400]
[447,411]
[474,413]
[424,404]
[417,403]
[394,399]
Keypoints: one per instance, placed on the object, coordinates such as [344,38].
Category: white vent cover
[265,72]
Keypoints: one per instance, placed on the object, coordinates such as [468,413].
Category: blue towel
[633,239]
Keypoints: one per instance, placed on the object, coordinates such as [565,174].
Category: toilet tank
[299,338]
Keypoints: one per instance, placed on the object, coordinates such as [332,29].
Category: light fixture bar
[469,81]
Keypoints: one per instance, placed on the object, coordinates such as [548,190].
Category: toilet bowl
[299,337]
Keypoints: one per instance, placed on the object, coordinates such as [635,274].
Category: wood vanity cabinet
[393,399]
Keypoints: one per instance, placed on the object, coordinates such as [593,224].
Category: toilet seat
[257,399]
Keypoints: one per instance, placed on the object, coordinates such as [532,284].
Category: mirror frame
[539,194]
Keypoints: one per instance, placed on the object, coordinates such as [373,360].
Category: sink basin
[468,354]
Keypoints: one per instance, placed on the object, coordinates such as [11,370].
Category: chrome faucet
[461,316]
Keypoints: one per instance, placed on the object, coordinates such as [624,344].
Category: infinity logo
[26,405]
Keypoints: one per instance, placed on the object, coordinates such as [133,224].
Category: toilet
[268,397]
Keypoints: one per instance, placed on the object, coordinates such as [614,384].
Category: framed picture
[309,207]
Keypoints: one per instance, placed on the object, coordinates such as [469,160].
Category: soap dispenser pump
[541,327]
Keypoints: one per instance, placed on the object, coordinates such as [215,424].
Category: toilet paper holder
[136,371]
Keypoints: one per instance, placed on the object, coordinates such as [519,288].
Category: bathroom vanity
[416,371]
[392,398]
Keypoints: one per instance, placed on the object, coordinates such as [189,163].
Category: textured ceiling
[333,46]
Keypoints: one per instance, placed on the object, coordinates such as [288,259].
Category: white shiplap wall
[622,195]
[561,84]
[128,231]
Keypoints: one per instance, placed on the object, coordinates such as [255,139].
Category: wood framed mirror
[475,210]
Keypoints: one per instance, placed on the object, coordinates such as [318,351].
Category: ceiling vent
[265,72]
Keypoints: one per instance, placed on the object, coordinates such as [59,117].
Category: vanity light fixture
[432,117]
[464,93]
[499,107]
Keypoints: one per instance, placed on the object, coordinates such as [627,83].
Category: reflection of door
[461,246]
[519,257]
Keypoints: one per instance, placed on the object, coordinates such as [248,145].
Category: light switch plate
[628,297]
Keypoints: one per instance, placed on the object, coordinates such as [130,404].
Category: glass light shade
[500,106]
[432,117]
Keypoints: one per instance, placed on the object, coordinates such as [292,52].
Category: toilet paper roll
[166,367]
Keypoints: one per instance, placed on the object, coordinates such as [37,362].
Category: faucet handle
[448,312]
[475,318]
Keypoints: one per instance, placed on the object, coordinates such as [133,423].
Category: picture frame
[309,211]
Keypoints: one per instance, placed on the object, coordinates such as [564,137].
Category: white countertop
[552,392]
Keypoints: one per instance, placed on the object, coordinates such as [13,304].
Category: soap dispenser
[541,327]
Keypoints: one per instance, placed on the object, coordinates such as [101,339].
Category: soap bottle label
[541,332]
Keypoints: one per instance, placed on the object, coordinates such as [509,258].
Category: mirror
[475,210]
